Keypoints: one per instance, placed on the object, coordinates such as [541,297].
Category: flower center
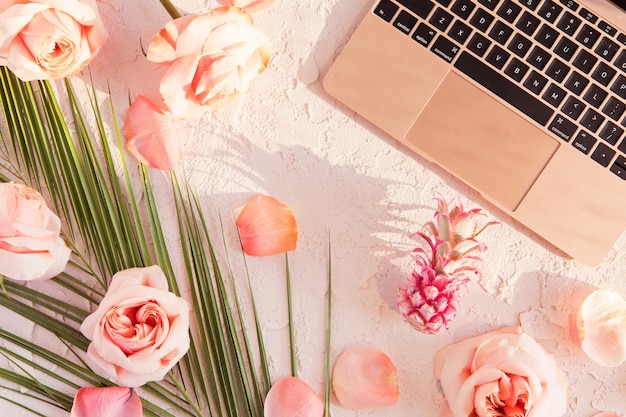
[137,327]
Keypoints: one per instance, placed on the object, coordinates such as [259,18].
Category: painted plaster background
[347,180]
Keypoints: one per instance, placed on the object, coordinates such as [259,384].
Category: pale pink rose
[49,39]
[602,327]
[152,136]
[212,57]
[30,245]
[140,329]
[106,402]
[504,373]
[250,5]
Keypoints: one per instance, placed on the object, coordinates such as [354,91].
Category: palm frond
[73,165]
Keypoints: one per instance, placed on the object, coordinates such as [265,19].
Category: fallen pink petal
[602,327]
[151,135]
[107,402]
[364,379]
[292,397]
[267,227]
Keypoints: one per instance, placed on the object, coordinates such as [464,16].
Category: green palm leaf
[73,165]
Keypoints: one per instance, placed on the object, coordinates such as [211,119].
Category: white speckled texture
[341,176]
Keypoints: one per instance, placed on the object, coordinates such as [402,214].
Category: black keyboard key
[557,70]
[620,62]
[570,4]
[500,32]
[576,83]
[573,107]
[528,23]
[588,16]
[622,146]
[459,32]
[445,48]
[607,48]
[441,19]
[584,142]
[444,3]
[490,4]
[424,34]
[595,96]
[619,86]
[603,73]
[588,36]
[546,36]
[520,45]
[614,108]
[535,82]
[619,167]
[550,11]
[603,154]
[405,22]
[565,48]
[497,57]
[607,28]
[422,8]
[481,20]
[621,38]
[509,11]
[463,8]
[503,88]
[386,9]
[516,69]
[478,44]
[592,120]
[562,127]
[554,95]
[531,4]
[584,61]
[568,23]
[611,133]
[538,58]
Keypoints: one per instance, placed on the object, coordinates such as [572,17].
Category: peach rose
[30,245]
[49,39]
[212,57]
[140,329]
[501,373]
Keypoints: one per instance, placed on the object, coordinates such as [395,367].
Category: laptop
[522,100]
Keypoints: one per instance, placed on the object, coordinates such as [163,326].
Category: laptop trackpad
[481,141]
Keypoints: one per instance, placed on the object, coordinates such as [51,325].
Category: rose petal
[526,373]
[250,5]
[151,136]
[292,397]
[602,327]
[607,414]
[267,227]
[106,402]
[127,349]
[364,379]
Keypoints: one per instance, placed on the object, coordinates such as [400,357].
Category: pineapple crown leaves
[457,227]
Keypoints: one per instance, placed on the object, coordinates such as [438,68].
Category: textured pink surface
[287,138]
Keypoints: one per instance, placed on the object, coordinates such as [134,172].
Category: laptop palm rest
[473,136]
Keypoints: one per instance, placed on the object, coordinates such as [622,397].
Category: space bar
[503,88]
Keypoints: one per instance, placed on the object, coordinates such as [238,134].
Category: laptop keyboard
[555,61]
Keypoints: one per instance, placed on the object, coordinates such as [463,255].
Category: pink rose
[212,57]
[30,245]
[501,373]
[140,329]
[49,39]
